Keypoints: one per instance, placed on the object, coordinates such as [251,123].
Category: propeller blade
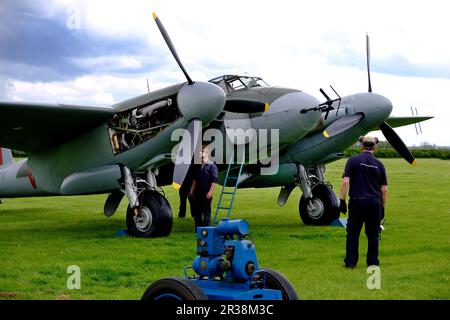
[397,143]
[171,46]
[368,60]
[189,148]
[245,106]
[342,124]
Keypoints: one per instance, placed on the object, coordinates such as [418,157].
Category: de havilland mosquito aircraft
[127,150]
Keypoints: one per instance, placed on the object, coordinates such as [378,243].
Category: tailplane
[6,157]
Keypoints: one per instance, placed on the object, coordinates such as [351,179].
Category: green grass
[41,237]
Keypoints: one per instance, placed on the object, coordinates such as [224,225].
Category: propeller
[342,124]
[368,60]
[389,133]
[194,129]
[171,46]
[183,161]
[397,143]
[246,106]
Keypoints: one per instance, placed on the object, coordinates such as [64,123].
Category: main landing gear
[149,214]
[319,205]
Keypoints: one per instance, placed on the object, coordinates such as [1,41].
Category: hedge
[417,153]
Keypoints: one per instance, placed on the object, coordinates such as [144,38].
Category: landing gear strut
[149,213]
[153,218]
[318,205]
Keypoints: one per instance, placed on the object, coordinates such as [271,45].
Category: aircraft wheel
[153,219]
[323,208]
[276,281]
[173,289]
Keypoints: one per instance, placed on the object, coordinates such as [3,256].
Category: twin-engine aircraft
[127,149]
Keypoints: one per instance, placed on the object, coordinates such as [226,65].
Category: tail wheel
[152,219]
[322,209]
[173,289]
[276,281]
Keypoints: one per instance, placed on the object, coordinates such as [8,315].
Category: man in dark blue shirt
[205,179]
[367,179]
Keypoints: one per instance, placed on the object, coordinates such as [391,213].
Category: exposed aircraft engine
[133,127]
[142,113]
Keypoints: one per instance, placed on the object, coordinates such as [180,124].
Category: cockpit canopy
[231,83]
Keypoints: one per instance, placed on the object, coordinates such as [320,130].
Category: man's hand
[191,193]
[209,195]
[343,206]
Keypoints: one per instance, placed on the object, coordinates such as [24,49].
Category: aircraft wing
[31,127]
[395,122]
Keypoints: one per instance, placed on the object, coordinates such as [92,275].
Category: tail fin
[6,157]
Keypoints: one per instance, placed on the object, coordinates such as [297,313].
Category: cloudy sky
[101,52]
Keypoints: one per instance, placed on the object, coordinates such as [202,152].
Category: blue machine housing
[227,268]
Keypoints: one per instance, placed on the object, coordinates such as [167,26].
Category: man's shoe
[349,265]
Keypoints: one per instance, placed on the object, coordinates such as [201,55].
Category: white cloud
[6,88]
[110,63]
[289,43]
[91,90]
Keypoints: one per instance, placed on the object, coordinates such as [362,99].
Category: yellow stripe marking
[266,107]
[325,134]
[176,185]
[155,16]
[414,162]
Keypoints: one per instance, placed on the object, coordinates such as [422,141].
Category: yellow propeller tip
[176,185]
[325,134]
[414,163]
[155,16]
[266,107]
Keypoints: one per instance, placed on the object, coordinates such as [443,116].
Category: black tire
[160,217]
[327,204]
[276,281]
[173,289]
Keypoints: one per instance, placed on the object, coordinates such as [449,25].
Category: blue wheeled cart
[226,268]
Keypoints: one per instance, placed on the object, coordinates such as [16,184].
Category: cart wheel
[173,289]
[276,281]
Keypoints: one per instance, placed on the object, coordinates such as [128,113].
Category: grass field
[41,237]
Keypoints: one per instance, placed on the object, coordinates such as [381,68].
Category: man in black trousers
[366,177]
[205,179]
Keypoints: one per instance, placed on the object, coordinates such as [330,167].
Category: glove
[343,206]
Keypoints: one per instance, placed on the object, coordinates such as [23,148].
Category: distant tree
[427,145]
[384,145]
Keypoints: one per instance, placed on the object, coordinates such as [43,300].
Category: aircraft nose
[376,109]
[201,100]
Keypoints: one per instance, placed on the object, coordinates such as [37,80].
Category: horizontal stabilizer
[396,122]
